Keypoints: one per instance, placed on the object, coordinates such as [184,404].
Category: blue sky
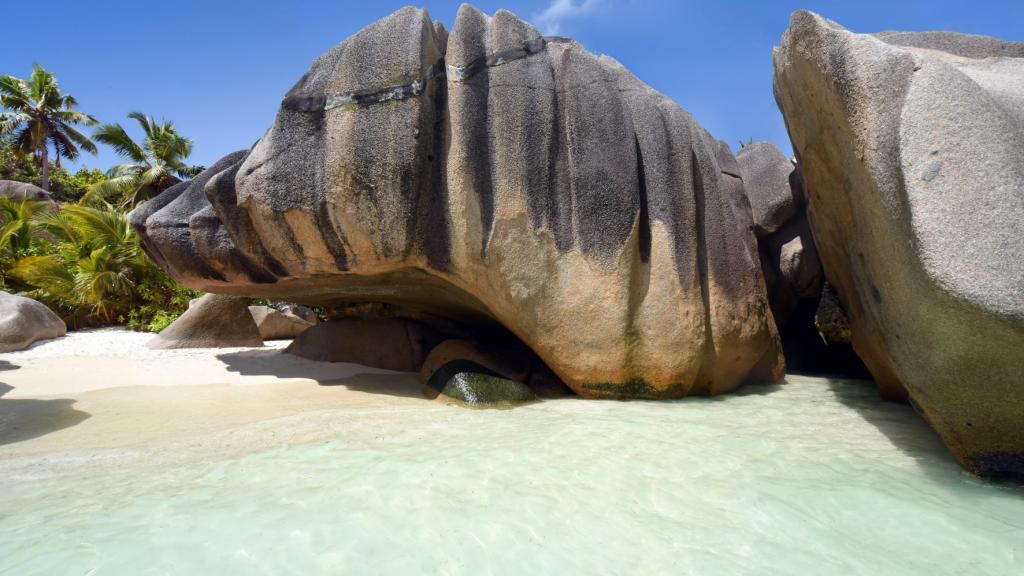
[219,69]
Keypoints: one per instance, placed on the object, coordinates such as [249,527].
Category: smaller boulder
[277,324]
[772,185]
[212,321]
[388,343]
[24,321]
[453,356]
[23,191]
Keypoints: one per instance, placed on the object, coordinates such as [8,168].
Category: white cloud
[551,19]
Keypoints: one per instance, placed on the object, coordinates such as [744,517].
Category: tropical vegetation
[78,254]
[155,164]
[40,116]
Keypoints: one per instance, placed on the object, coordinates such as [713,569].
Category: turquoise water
[808,478]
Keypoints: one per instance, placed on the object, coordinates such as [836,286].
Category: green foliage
[747,143]
[65,186]
[85,263]
[82,258]
[154,164]
[39,117]
[17,236]
[72,187]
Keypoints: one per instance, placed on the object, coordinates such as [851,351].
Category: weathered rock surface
[789,258]
[480,390]
[275,324]
[23,191]
[912,153]
[24,321]
[772,185]
[454,356]
[492,175]
[504,361]
[212,321]
[388,343]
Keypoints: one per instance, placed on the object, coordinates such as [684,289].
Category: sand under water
[117,459]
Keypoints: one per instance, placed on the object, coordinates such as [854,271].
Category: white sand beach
[103,390]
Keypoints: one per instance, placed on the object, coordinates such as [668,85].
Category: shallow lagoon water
[813,477]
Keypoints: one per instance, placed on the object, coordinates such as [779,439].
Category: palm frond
[189,172]
[77,137]
[73,117]
[114,135]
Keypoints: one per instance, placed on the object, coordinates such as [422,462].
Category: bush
[65,186]
[85,263]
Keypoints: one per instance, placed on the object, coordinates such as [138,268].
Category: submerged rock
[912,152]
[212,321]
[492,175]
[24,321]
[481,390]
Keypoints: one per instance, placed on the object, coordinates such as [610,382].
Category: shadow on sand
[352,376]
[24,419]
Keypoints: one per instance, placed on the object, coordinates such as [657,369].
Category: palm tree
[40,116]
[155,164]
[94,267]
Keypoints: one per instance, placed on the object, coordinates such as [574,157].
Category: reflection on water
[808,478]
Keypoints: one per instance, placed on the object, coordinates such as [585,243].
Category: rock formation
[19,191]
[912,152]
[24,321]
[789,258]
[502,180]
[275,324]
[389,343]
[212,321]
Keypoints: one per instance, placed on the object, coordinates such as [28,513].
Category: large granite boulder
[912,153]
[212,321]
[24,321]
[19,191]
[491,176]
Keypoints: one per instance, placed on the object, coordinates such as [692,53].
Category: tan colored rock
[912,152]
[492,176]
[211,321]
[388,343]
[275,324]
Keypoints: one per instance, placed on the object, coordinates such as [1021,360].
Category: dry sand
[102,396]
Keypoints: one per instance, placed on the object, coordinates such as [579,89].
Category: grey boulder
[212,321]
[789,257]
[491,177]
[23,191]
[24,321]
[772,186]
[912,152]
